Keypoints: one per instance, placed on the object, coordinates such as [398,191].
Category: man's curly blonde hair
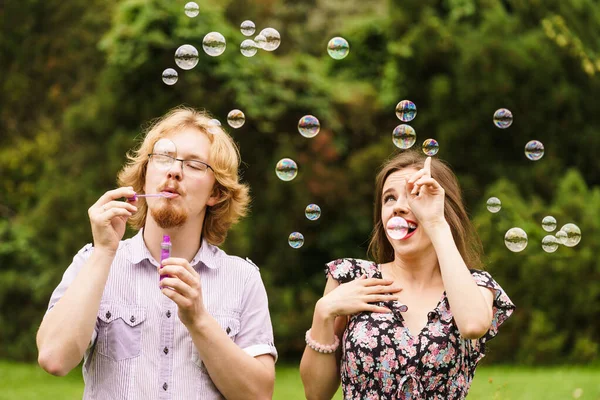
[224,159]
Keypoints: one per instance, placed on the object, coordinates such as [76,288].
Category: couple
[411,325]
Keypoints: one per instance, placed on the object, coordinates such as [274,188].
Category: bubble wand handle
[165,251]
[136,196]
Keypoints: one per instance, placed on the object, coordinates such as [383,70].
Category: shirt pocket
[120,330]
[230,323]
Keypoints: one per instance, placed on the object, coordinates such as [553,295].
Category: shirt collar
[207,254]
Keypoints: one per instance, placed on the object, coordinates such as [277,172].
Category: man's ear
[215,196]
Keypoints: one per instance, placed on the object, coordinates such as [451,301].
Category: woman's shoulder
[348,269]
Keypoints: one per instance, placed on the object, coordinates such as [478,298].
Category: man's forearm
[236,374]
[66,330]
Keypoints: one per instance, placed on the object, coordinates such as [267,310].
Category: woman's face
[395,204]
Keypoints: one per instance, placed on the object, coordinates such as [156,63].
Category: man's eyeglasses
[189,167]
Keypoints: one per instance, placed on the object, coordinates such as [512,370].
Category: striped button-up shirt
[140,349]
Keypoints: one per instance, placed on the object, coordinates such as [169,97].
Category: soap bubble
[549,243]
[214,126]
[260,41]
[561,236]
[236,118]
[296,240]
[164,147]
[503,118]
[191,9]
[431,147]
[186,56]
[169,76]
[247,28]
[494,204]
[272,39]
[309,126]
[404,136]
[397,228]
[214,44]
[312,212]
[515,239]
[338,48]
[286,169]
[573,234]
[549,223]
[406,111]
[534,150]
[248,48]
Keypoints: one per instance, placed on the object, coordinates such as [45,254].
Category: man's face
[193,190]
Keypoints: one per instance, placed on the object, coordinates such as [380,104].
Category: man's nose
[176,170]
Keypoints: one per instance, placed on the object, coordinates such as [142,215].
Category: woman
[414,323]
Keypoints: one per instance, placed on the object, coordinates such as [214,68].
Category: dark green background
[81,78]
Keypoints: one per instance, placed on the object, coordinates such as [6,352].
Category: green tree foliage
[82,79]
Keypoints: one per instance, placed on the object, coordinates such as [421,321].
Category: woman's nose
[401,207]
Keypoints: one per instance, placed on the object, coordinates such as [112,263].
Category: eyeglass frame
[180,159]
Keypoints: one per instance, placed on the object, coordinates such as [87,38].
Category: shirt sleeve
[256,331]
[502,308]
[344,270]
[68,277]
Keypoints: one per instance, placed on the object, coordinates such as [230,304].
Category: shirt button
[168,313]
[166,350]
[108,314]
[132,319]
[432,315]
[228,330]
[165,386]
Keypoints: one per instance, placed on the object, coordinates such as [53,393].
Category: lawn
[29,382]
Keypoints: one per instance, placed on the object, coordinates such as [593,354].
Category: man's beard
[168,216]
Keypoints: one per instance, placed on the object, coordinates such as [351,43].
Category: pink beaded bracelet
[322,348]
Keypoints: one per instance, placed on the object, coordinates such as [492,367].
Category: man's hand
[181,283]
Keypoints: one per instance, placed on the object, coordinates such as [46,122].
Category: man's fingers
[377,281]
[178,271]
[114,194]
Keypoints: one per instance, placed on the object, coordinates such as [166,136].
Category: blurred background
[82,79]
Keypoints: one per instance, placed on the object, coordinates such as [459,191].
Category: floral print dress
[382,360]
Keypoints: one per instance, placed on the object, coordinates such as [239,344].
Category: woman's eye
[388,198]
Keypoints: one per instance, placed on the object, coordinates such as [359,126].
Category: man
[203,331]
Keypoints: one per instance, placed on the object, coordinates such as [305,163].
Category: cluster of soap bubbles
[534,149]
[404,135]
[516,239]
[214,44]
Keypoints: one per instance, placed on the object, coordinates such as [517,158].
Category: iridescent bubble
[406,111]
[404,136]
[338,48]
[573,234]
[431,147]
[503,118]
[272,39]
[561,236]
[186,56]
[191,9]
[309,126]
[494,204]
[534,150]
[515,239]
[260,41]
[312,212]
[549,243]
[214,44]
[169,76]
[167,147]
[296,240]
[248,48]
[549,223]
[214,126]
[397,228]
[286,169]
[248,28]
[236,118]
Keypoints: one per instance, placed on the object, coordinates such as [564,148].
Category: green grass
[29,382]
